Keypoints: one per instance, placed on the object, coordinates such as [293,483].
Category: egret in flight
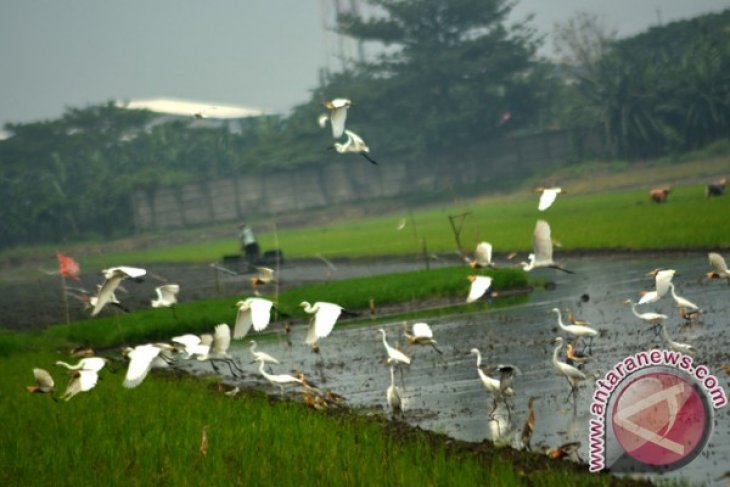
[43,382]
[421,334]
[482,256]
[142,359]
[355,144]
[264,275]
[548,197]
[254,312]
[337,115]
[114,276]
[81,381]
[662,279]
[89,363]
[719,267]
[542,247]
[166,296]
[324,317]
[479,286]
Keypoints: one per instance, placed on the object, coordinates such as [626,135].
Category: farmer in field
[249,246]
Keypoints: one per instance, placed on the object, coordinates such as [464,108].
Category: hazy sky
[260,53]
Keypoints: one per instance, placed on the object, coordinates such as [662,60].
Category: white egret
[482,256]
[479,286]
[575,330]
[261,356]
[491,384]
[685,303]
[219,349]
[719,267]
[81,381]
[142,359]
[166,296]
[324,317]
[280,380]
[542,246]
[43,382]
[548,197]
[421,334]
[571,374]
[252,311]
[114,276]
[194,345]
[89,363]
[676,346]
[354,144]
[393,396]
[650,318]
[337,115]
[264,275]
[395,356]
[662,279]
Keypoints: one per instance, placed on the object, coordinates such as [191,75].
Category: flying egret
[479,286]
[218,350]
[252,311]
[662,279]
[571,374]
[542,247]
[354,144]
[166,296]
[264,275]
[548,197]
[324,317]
[482,256]
[89,363]
[194,345]
[261,356]
[81,381]
[393,396]
[719,267]
[114,276]
[43,382]
[576,330]
[685,303]
[337,115]
[676,346]
[421,335]
[280,380]
[142,359]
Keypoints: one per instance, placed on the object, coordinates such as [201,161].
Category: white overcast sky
[260,53]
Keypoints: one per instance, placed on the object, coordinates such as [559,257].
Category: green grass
[151,435]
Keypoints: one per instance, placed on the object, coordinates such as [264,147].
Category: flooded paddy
[443,392]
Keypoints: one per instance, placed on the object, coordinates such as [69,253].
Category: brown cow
[659,195]
[716,189]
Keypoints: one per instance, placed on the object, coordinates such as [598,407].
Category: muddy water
[443,392]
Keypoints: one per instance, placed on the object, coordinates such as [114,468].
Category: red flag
[67,266]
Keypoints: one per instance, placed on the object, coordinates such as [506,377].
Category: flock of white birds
[256,312]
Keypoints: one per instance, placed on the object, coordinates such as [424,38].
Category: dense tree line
[451,74]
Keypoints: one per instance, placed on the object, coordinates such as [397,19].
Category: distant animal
[716,189]
[659,195]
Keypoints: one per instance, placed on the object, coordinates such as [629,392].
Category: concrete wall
[348,181]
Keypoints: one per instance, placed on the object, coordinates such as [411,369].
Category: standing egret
[577,331]
[395,356]
[355,144]
[114,276]
[542,247]
[482,256]
[261,356]
[166,296]
[142,359]
[324,317]
[719,267]
[479,286]
[337,115]
[548,197]
[648,317]
[571,374]
[280,380]
[676,346]
[682,302]
[421,335]
[43,382]
[252,311]
[492,385]
[393,396]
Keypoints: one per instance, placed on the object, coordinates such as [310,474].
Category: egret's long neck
[560,319]
[479,359]
[70,367]
[671,288]
[633,309]
[665,335]
[263,372]
[392,377]
[556,351]
[384,340]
